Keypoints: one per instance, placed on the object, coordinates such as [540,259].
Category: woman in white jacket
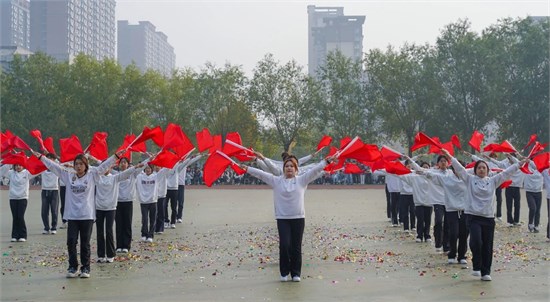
[288,196]
[19,194]
[147,192]
[533,183]
[79,206]
[480,206]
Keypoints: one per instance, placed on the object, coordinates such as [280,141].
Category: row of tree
[494,81]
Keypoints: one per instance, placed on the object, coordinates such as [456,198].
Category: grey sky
[242,32]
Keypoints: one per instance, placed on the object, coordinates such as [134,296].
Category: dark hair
[424,163]
[51,156]
[477,165]
[407,162]
[124,158]
[440,157]
[284,155]
[84,160]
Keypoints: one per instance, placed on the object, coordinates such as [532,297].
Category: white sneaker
[101,260]
[463,261]
[149,239]
[159,233]
[125,251]
[44,232]
[119,250]
[418,240]
[172,226]
[284,278]
[143,239]
[499,219]
[509,225]
[394,225]
[476,273]
[13,240]
[438,249]
[21,239]
[296,279]
[110,260]
[486,278]
[429,240]
[72,273]
[452,261]
[166,225]
[53,232]
[179,220]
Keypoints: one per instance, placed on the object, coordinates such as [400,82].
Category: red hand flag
[98,146]
[532,139]
[70,148]
[48,144]
[542,161]
[166,159]
[204,140]
[389,154]
[18,158]
[34,165]
[350,168]
[325,141]
[214,167]
[36,134]
[396,167]
[476,140]
[456,141]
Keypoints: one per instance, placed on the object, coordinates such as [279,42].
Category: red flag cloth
[368,153]
[214,167]
[245,155]
[70,148]
[325,141]
[155,134]
[48,144]
[344,142]
[456,141]
[175,137]
[204,140]
[470,165]
[234,137]
[335,166]
[542,161]
[422,140]
[230,147]
[447,146]
[237,169]
[165,159]
[476,140]
[36,134]
[532,139]
[350,168]
[498,148]
[5,137]
[396,167]
[377,165]
[129,138]
[34,165]
[16,142]
[506,144]
[332,151]
[216,143]
[18,158]
[98,146]
[506,184]
[536,149]
[389,154]
[354,145]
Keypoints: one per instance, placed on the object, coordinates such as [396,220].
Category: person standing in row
[533,183]
[161,201]
[19,195]
[480,206]
[106,197]
[50,198]
[546,178]
[147,194]
[182,175]
[288,194]
[512,193]
[172,190]
[80,207]
[125,208]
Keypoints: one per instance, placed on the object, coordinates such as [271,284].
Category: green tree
[345,108]
[284,97]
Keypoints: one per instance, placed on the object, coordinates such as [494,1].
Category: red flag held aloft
[476,140]
[344,142]
[98,146]
[456,141]
[48,144]
[34,165]
[396,167]
[165,158]
[368,153]
[532,139]
[204,140]
[214,167]
[542,161]
[155,134]
[324,142]
[350,168]
[18,158]
[354,145]
[36,134]
[389,154]
[70,148]
[216,143]
[174,137]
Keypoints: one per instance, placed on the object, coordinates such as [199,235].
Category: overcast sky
[242,32]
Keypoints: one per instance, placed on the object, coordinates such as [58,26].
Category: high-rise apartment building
[330,30]
[142,45]
[65,28]
[15,23]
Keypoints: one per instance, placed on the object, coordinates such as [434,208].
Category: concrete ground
[227,250]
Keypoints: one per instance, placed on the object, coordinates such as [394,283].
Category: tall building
[15,23]
[142,45]
[330,30]
[65,28]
